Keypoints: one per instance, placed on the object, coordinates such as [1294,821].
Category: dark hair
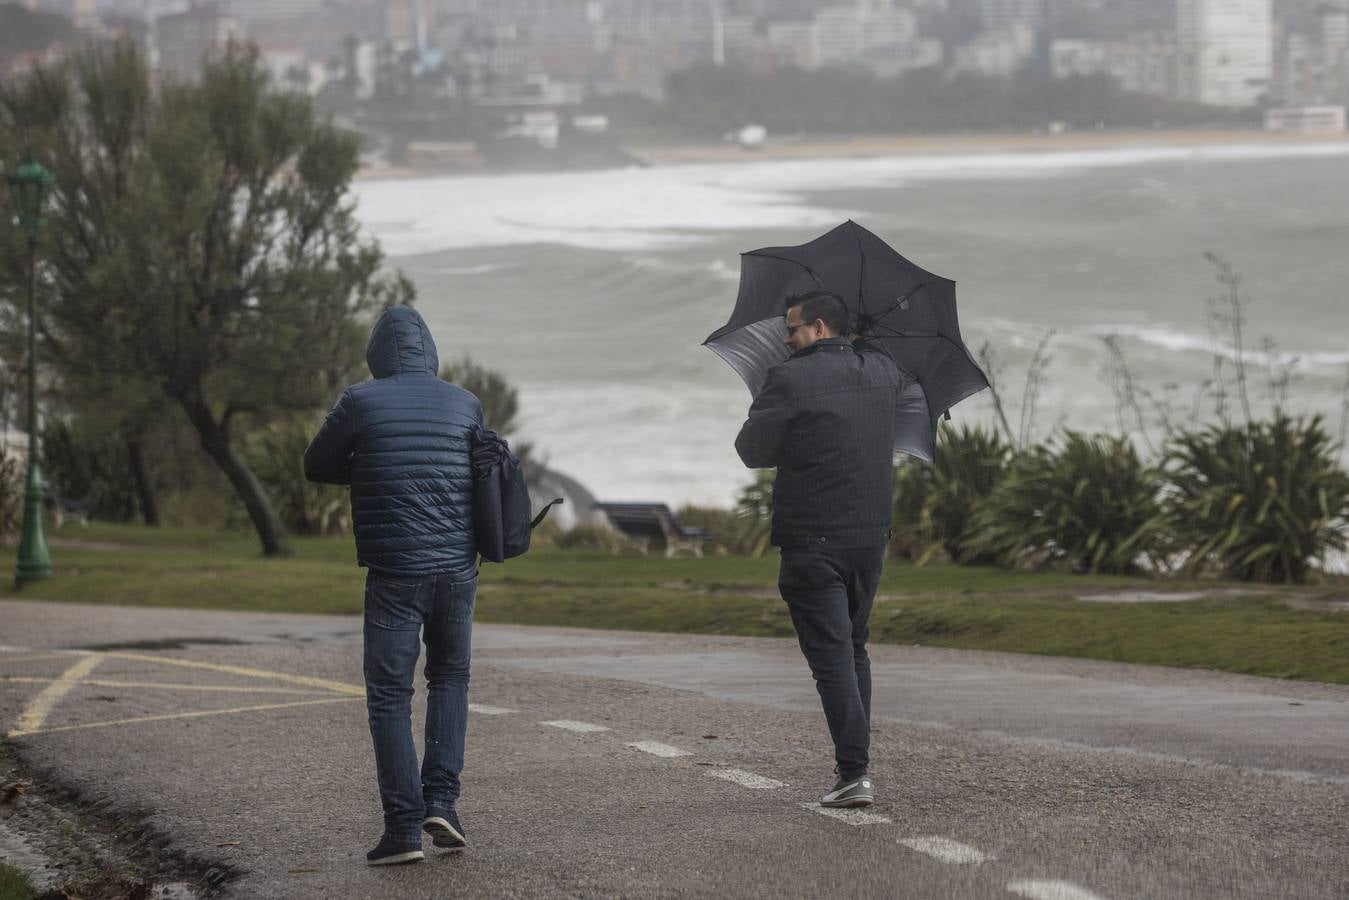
[824,305]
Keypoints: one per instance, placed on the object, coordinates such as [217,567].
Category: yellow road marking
[338,686]
[187,715]
[98,682]
[37,711]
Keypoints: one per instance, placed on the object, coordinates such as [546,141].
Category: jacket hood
[401,344]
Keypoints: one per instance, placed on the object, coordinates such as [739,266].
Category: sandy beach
[799,147]
[882,145]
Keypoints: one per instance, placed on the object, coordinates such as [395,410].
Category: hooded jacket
[826,419]
[402,441]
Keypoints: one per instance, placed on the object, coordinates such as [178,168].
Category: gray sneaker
[857,792]
[445,830]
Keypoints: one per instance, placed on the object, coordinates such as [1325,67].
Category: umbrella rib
[896,304]
[933,334]
[862,267]
[795,262]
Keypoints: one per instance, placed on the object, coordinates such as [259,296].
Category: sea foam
[667,206]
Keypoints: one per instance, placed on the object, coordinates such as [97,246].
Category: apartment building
[1143,64]
[184,39]
[1226,51]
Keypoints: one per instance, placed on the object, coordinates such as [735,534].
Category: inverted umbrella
[907,309]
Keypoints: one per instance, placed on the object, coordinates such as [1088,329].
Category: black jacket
[826,419]
[402,441]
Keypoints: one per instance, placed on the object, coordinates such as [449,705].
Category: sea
[591,292]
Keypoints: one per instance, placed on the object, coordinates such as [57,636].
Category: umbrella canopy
[910,311]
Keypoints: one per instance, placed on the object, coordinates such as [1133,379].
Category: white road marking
[946,850]
[36,712]
[6,648]
[746,779]
[187,715]
[1051,890]
[851,816]
[483,709]
[655,749]
[569,725]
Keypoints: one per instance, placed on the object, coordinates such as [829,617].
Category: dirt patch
[74,845]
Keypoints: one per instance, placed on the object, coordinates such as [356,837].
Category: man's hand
[769,416]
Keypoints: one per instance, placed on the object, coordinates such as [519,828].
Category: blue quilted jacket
[402,441]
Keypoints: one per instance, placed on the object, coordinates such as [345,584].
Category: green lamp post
[30,183]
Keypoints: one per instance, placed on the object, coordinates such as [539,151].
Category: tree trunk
[145,486]
[215,441]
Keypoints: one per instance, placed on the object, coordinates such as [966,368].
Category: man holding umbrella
[825,418]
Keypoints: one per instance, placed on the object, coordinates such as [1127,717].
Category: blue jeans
[829,592]
[440,607]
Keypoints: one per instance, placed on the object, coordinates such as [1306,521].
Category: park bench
[60,507]
[643,522]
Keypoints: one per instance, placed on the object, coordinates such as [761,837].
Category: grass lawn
[14,884]
[935,605]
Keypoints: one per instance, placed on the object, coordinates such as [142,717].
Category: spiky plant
[1258,501]
[1092,503]
[276,454]
[754,515]
[935,504]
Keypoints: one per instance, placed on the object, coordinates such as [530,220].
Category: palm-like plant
[754,515]
[1258,502]
[935,504]
[276,454]
[1093,503]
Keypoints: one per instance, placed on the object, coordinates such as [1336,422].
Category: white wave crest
[1177,341]
[669,206]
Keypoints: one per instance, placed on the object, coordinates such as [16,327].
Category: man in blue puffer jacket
[402,442]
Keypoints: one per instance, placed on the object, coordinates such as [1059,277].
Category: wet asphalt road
[998,775]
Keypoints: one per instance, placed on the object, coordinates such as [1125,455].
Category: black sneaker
[857,792]
[389,852]
[445,829]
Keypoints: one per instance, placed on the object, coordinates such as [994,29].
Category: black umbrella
[907,309]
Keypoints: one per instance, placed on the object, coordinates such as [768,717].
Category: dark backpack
[502,513]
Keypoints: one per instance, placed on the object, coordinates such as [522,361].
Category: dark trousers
[439,610]
[829,591]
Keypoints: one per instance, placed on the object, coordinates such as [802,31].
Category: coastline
[889,145]
[864,146]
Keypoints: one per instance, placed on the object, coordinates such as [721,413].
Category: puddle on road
[164,644]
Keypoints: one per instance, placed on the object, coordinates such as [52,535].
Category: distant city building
[84,13]
[184,39]
[1144,64]
[1310,72]
[1335,27]
[998,54]
[848,36]
[795,44]
[999,14]
[1226,50]
[1306,120]
[264,10]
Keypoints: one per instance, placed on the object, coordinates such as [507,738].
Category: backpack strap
[543,513]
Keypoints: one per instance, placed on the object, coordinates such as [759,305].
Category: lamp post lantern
[30,183]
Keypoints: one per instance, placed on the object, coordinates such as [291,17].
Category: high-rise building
[1226,50]
[82,12]
[997,14]
[185,39]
